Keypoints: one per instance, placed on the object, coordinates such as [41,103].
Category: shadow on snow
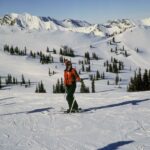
[132,102]
[39,110]
[116,145]
[2,99]
[29,112]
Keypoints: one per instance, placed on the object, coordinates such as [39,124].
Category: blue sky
[94,11]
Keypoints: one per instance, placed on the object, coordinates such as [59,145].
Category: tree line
[114,66]
[140,82]
[59,87]
[10,80]
[15,50]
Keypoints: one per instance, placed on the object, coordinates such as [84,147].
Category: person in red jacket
[70,78]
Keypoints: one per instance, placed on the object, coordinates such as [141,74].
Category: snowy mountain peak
[14,15]
[27,21]
[75,23]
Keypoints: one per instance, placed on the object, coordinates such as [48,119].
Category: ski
[80,110]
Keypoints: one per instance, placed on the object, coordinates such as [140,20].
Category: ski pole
[72,105]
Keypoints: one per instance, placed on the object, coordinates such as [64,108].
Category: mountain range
[27,21]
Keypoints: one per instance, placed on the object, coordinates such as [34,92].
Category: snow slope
[115,119]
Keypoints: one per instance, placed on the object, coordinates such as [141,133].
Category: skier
[70,78]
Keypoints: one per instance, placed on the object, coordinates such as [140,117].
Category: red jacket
[71,76]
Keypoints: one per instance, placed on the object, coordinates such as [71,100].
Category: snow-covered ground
[114,119]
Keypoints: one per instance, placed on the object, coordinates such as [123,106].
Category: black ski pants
[70,90]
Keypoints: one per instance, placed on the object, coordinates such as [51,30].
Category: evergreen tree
[94,55]
[47,50]
[54,51]
[31,53]
[113,40]
[97,75]
[126,54]
[61,59]
[107,63]
[117,79]
[9,79]
[103,76]
[111,50]
[104,64]
[22,79]
[59,87]
[61,52]
[11,50]
[107,69]
[139,80]
[116,49]
[87,55]
[83,68]
[145,80]
[62,88]
[115,60]
[93,86]
[0,83]
[120,66]
[16,51]
[123,48]
[83,88]
[65,50]
[115,68]
[108,82]
[112,59]
[49,72]
[40,88]
[91,77]
[79,72]
[25,51]
[6,48]
[149,79]
[88,69]
[110,68]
